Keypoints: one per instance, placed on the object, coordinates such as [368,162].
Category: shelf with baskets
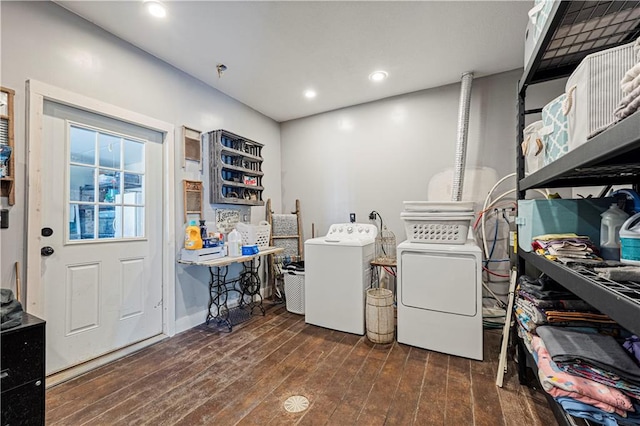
[572,31]
[7,177]
[235,169]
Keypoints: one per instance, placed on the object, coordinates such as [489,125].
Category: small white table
[247,285]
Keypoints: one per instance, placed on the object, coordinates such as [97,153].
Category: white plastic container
[630,240]
[234,243]
[612,221]
[593,91]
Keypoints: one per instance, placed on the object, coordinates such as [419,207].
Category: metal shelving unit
[574,30]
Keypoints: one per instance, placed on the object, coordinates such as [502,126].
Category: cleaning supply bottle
[612,221]
[192,238]
[234,242]
[630,241]
[203,230]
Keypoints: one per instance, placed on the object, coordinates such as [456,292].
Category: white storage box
[201,255]
[533,147]
[437,228]
[593,91]
[255,234]
[538,16]
[554,130]
[294,291]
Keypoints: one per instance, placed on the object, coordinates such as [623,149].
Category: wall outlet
[352,217]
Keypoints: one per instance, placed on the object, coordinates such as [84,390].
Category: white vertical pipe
[463,127]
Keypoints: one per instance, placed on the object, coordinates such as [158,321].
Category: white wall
[42,41]
[376,155]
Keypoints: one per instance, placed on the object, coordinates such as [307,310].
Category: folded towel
[631,79]
[601,351]
[622,273]
[552,377]
[628,105]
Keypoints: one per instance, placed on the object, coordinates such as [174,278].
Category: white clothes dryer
[440,297]
[337,275]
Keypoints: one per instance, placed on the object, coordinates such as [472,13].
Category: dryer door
[439,282]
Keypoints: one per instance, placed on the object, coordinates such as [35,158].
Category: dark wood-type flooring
[207,377]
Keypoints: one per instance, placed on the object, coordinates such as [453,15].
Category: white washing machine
[440,297]
[337,275]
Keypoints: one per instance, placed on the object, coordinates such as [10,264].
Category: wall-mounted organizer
[7,180]
[192,146]
[192,198]
[235,169]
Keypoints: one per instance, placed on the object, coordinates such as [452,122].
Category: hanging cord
[372,216]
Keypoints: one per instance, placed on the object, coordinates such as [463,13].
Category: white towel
[628,105]
[631,79]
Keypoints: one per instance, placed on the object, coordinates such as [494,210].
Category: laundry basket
[437,228]
[294,287]
[255,234]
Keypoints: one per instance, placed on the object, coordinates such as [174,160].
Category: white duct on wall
[463,127]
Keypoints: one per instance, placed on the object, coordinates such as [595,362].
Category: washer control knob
[366,230]
[350,229]
[360,229]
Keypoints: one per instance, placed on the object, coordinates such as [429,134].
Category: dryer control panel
[352,231]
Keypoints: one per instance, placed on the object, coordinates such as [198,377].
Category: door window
[106,198]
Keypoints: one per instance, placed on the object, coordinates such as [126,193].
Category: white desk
[247,284]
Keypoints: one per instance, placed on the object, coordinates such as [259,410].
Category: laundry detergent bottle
[610,224]
[192,238]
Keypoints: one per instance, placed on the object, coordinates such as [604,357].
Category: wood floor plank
[379,399]
[432,403]
[251,393]
[205,412]
[404,404]
[211,363]
[207,377]
[271,407]
[349,409]
[215,388]
[326,401]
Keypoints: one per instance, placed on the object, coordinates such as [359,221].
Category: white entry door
[101,266]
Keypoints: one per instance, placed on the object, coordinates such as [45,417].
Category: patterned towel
[552,377]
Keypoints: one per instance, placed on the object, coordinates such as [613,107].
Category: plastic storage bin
[580,216]
[593,91]
[294,287]
[437,228]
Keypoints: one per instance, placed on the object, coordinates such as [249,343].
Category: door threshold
[77,370]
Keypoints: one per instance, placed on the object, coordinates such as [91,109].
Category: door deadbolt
[46,251]
[46,232]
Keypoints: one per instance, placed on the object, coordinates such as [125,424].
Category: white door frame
[37,93]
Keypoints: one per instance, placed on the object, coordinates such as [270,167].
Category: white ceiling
[274,50]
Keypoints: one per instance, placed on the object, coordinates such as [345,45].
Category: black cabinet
[22,372]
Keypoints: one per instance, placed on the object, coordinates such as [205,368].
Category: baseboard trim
[85,367]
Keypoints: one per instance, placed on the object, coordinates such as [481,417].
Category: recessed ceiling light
[155,8]
[310,94]
[378,75]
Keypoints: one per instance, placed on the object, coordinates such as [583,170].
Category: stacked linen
[584,397]
[588,362]
[542,301]
[630,86]
[563,247]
